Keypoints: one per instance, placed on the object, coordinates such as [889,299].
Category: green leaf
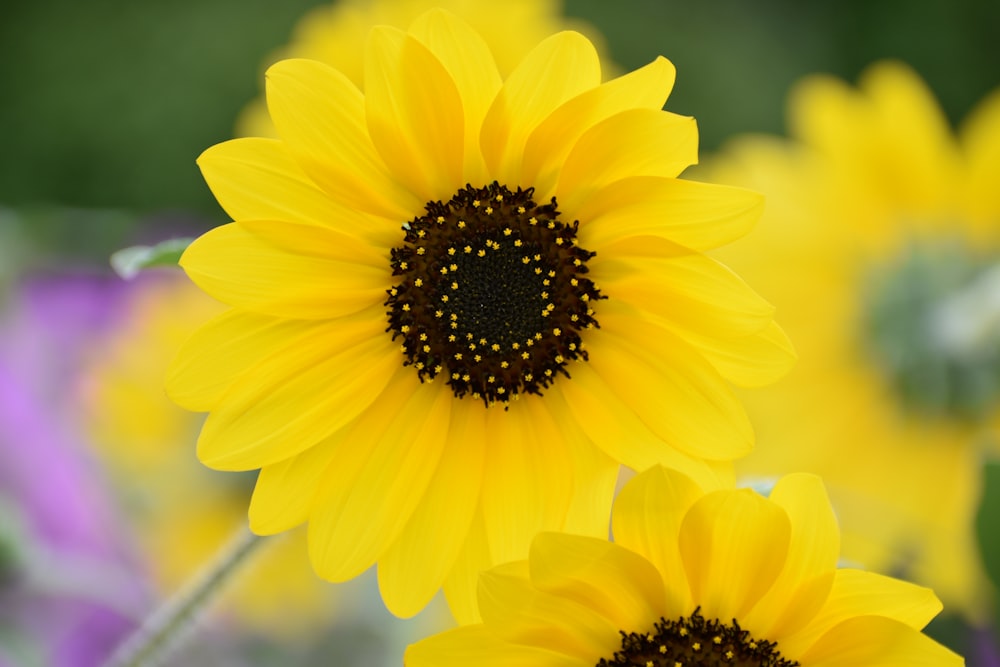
[129,262]
[988,521]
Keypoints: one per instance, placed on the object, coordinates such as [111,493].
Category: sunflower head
[884,210]
[695,577]
[459,301]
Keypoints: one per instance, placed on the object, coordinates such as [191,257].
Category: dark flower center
[691,641]
[493,293]
[931,322]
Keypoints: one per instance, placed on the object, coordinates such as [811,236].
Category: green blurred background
[107,103]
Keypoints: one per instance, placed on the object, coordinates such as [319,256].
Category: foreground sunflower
[459,302]
[695,578]
[891,223]
[335,34]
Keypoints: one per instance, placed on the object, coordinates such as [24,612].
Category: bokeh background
[104,106]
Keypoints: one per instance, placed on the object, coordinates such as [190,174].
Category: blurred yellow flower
[879,247]
[695,577]
[417,273]
[335,34]
[182,511]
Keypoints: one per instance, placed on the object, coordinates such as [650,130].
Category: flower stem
[160,633]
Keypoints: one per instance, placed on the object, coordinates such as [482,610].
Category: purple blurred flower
[68,581]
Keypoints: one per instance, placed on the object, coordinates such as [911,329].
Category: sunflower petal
[521,614]
[859,593]
[733,544]
[526,488]
[469,62]
[557,70]
[620,585]
[364,503]
[242,269]
[805,582]
[636,142]
[298,396]
[418,562]
[461,647]
[669,386]
[875,641]
[700,216]
[414,113]
[320,115]
[550,142]
[463,581]
[647,519]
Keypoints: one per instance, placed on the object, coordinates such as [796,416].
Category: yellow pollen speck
[520,209]
[557,331]
[529,343]
[406,307]
[440,219]
[454,285]
[421,251]
[574,282]
[538,271]
[405,328]
[678,664]
[663,648]
[477,358]
[683,632]
[533,221]
[538,258]
[438,313]
[418,282]
[495,347]
[559,358]
[482,341]
[585,297]
[545,295]
[472,346]
[501,390]
[538,336]
[489,210]
[574,317]
[507,231]
[499,197]
[423,336]
[427,348]
[525,355]
[517,243]
[444,270]
[467,249]
[455,376]
[451,251]
[421,233]
[696,646]
[525,260]
[453,267]
[437,369]
[716,639]
[515,345]
[444,297]
[451,338]
[476,202]
[552,274]
[545,313]
[528,377]
[458,356]
[393,291]
[481,253]
[548,372]
[461,224]
[404,266]
[546,282]
[419,366]
[559,240]
[465,378]
[491,379]
[753,646]
[729,655]
[577,262]
[552,224]
[649,663]
[454,325]
[504,364]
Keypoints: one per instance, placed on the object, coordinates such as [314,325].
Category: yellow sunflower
[695,577]
[880,249]
[460,301]
[335,34]
[183,512]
